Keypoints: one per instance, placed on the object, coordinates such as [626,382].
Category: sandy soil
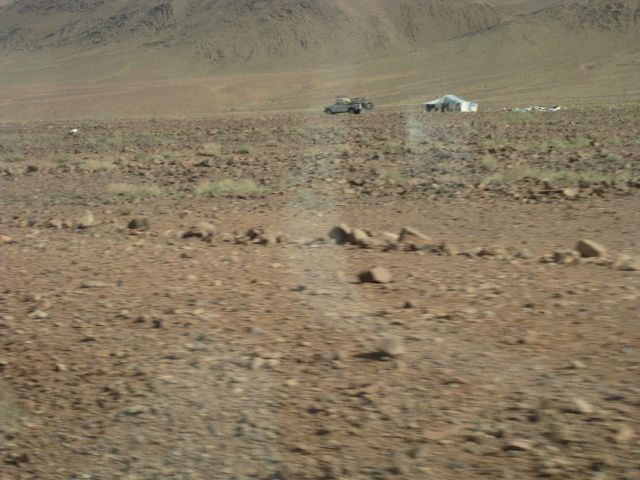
[173,305]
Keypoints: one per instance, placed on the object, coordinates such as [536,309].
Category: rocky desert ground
[394,295]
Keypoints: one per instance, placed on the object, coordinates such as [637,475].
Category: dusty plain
[176,302]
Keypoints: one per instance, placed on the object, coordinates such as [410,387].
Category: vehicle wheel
[352,110]
[327,110]
[369,106]
[357,112]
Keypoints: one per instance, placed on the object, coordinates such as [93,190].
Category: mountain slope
[233,32]
[183,57]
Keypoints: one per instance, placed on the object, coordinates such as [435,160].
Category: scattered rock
[95,284]
[581,406]
[591,249]
[410,234]
[135,410]
[87,220]
[627,263]
[54,223]
[259,236]
[570,193]
[524,254]
[340,234]
[390,237]
[360,238]
[577,364]
[139,223]
[447,249]
[391,346]
[519,445]
[60,367]
[375,275]
[566,257]
[493,251]
[203,230]
[624,434]
[4,239]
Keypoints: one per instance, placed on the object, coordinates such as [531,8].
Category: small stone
[493,251]
[257,363]
[359,237]
[577,364]
[203,230]
[530,337]
[4,239]
[566,257]
[392,346]
[87,220]
[135,410]
[570,193]
[591,249]
[624,434]
[627,263]
[410,234]
[582,406]
[94,284]
[448,249]
[139,223]
[519,446]
[54,223]
[38,314]
[389,237]
[524,254]
[60,367]
[375,275]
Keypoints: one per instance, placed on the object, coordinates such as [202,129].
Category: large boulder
[627,263]
[340,234]
[412,235]
[591,249]
[375,275]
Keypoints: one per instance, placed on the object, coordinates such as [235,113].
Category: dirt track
[135,353]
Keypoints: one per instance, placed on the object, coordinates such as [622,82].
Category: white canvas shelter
[449,103]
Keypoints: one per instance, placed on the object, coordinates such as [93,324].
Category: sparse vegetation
[244,150]
[94,165]
[211,150]
[155,159]
[344,150]
[13,158]
[306,195]
[613,157]
[230,187]
[392,148]
[489,162]
[394,176]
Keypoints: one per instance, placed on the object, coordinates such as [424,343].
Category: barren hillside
[231,32]
[66,58]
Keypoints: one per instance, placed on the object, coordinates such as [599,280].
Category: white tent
[449,103]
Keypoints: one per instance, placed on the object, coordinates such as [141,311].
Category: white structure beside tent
[449,103]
